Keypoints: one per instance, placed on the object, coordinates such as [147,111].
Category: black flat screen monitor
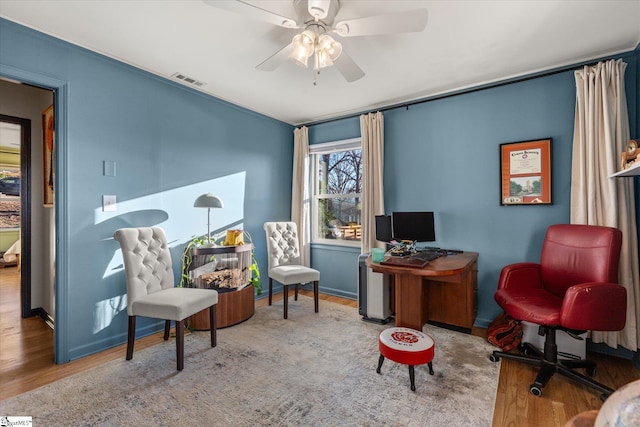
[383,228]
[413,226]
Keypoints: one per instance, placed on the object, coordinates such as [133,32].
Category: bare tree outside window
[338,188]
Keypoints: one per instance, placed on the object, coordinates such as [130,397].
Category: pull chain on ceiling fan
[316,18]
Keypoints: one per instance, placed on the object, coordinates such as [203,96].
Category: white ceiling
[465,44]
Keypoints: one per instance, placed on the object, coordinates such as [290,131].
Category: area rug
[310,370]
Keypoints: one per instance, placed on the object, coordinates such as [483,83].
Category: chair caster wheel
[493,358]
[590,371]
[535,390]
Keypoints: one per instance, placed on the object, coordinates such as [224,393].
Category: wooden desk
[445,291]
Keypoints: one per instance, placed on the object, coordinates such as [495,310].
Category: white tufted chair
[283,252]
[150,287]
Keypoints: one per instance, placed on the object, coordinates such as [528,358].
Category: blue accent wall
[443,156]
[170,144]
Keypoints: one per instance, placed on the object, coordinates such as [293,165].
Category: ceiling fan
[316,20]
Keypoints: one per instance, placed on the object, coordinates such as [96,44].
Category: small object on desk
[427,255]
[406,261]
[427,248]
[377,254]
[454,251]
[400,252]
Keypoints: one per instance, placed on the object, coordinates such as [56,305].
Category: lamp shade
[303,47]
[208,200]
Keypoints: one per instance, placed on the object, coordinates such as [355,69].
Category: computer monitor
[413,226]
[383,228]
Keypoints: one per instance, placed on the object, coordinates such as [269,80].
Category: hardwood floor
[26,362]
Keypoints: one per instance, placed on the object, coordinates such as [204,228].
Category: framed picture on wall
[48,139]
[525,173]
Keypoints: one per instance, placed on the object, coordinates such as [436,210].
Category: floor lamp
[208,201]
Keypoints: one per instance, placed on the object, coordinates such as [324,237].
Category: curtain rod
[553,71]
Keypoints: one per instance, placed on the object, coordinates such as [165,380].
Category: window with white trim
[337,192]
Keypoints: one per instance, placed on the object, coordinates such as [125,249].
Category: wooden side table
[225,269]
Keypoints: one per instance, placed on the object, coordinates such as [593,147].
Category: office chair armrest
[521,275]
[594,306]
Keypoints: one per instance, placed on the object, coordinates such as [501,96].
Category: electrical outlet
[108,203]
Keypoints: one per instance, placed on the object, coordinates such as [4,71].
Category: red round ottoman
[406,346]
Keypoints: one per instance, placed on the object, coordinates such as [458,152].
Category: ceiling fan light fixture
[327,51]
[331,47]
[299,57]
[303,47]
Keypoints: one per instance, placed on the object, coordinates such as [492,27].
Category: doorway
[15,201]
[21,107]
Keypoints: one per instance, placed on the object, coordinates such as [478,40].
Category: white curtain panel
[300,192]
[601,131]
[372,137]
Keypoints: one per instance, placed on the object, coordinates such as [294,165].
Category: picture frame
[48,153]
[525,172]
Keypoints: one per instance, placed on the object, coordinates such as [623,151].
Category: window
[337,192]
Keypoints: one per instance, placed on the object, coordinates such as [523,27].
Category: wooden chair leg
[131,336]
[315,295]
[167,329]
[212,323]
[296,293]
[180,344]
[270,289]
[285,297]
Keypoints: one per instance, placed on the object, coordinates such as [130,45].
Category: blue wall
[170,144]
[443,155]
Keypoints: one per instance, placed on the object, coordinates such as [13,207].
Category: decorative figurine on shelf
[630,154]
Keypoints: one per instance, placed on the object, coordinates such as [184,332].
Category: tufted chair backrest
[147,261]
[283,247]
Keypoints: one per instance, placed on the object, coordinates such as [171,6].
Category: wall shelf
[632,171]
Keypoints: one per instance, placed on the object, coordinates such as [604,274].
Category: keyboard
[426,255]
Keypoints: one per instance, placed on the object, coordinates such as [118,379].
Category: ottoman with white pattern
[406,346]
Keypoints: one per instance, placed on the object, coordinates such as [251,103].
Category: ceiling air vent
[187,79]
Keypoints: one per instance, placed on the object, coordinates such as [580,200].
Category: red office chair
[574,289]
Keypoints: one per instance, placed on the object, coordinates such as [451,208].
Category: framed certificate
[525,173]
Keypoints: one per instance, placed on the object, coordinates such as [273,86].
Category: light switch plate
[109,168]
[108,203]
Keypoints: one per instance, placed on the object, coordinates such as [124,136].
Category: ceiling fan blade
[253,11]
[319,8]
[403,22]
[349,69]
[274,61]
